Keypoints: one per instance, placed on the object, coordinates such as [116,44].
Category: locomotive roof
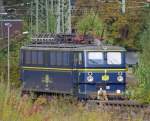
[72,47]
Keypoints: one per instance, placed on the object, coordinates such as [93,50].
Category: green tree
[91,24]
[14,61]
[142,93]
[122,29]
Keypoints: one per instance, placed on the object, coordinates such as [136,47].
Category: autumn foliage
[121,29]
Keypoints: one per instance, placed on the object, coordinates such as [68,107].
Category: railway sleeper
[118,105]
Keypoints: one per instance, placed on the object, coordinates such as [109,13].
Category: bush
[142,92]
[14,61]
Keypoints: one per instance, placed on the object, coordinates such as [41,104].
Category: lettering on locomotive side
[47,80]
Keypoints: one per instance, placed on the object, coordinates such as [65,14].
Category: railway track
[117,103]
[125,109]
[121,110]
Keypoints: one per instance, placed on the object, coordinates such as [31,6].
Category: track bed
[125,110]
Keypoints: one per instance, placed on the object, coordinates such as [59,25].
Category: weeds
[23,108]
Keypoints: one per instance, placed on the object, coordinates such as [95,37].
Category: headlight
[120,78]
[90,78]
[118,91]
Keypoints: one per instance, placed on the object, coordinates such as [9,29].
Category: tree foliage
[142,92]
[14,61]
[122,29]
[90,23]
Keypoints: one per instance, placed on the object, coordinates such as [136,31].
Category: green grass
[16,108]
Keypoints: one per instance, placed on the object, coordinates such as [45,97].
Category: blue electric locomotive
[80,70]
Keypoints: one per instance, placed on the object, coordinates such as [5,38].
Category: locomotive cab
[103,70]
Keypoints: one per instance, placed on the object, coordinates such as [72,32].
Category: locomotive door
[77,64]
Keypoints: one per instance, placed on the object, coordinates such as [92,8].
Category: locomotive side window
[34,57]
[45,58]
[40,58]
[27,59]
[114,58]
[66,58]
[59,58]
[53,59]
[95,58]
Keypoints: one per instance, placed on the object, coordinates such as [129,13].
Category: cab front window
[95,58]
[114,58]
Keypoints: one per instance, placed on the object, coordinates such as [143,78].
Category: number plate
[105,77]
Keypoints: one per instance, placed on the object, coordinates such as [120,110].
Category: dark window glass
[46,58]
[40,58]
[66,58]
[52,58]
[34,57]
[27,57]
[59,58]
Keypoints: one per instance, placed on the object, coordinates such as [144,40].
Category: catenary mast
[51,16]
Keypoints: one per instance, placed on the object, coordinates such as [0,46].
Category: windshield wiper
[94,62]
